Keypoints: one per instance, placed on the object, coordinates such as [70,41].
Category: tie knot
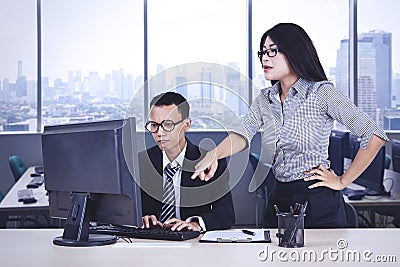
[170,170]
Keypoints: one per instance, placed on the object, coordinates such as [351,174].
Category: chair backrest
[17,166]
[262,173]
[388,159]
[351,216]
[244,201]
[249,203]
[395,143]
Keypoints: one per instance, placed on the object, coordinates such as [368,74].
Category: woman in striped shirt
[303,105]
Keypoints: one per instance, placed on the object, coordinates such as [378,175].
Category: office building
[374,72]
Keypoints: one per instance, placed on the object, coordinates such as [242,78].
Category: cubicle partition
[28,147]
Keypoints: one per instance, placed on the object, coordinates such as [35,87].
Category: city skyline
[88,41]
[96,55]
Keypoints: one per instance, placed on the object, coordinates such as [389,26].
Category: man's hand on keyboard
[151,221]
[178,225]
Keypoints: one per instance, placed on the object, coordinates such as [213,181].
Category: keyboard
[348,191]
[26,196]
[35,182]
[149,233]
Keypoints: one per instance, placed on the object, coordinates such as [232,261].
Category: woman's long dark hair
[298,48]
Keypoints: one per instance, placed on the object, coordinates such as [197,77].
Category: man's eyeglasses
[270,52]
[167,125]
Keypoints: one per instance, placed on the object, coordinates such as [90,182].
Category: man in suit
[192,204]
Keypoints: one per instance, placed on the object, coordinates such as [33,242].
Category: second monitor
[372,177]
[337,150]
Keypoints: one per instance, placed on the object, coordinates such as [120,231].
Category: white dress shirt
[177,184]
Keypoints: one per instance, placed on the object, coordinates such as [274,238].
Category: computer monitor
[396,154]
[372,177]
[91,174]
[338,144]
[352,150]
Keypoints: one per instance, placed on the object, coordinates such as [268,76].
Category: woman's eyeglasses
[270,52]
[167,125]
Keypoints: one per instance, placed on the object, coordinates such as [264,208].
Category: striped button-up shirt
[296,134]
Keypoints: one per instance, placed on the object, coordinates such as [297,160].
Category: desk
[380,202]
[33,247]
[10,205]
[383,204]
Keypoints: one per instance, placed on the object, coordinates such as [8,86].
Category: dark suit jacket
[211,200]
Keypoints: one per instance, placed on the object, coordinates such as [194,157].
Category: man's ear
[188,123]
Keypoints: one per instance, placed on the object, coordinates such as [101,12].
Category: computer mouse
[355,196]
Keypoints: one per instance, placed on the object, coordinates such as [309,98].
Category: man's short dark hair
[172,98]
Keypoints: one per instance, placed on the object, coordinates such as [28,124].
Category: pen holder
[290,230]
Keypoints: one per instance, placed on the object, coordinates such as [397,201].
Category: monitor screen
[372,177]
[91,174]
[354,144]
[396,154]
[338,143]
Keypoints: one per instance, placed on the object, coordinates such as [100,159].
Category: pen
[247,232]
[292,210]
[277,209]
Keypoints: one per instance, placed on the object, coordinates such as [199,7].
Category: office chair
[244,201]
[351,216]
[249,202]
[3,216]
[17,166]
[395,145]
[265,189]
[388,159]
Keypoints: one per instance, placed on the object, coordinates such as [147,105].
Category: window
[92,59]
[326,22]
[378,65]
[18,66]
[198,48]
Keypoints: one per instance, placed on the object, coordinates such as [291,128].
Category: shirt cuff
[199,220]
[365,140]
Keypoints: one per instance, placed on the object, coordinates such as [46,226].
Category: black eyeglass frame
[162,125]
[268,52]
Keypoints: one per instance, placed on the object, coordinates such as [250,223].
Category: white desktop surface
[33,247]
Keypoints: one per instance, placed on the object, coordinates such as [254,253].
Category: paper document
[237,236]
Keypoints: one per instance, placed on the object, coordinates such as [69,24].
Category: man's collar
[178,160]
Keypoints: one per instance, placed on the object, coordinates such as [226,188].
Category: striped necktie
[168,207]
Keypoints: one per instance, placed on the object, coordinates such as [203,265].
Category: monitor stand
[76,230]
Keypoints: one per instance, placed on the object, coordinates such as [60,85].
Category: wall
[27,146]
